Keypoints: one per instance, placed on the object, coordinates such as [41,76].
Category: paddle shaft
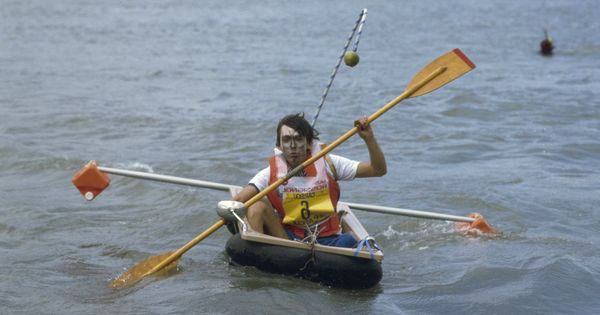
[417,87]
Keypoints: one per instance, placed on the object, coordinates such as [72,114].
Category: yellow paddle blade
[141,269]
[160,264]
[454,65]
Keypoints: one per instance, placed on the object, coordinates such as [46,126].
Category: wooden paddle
[438,73]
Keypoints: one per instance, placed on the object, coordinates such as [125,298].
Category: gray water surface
[194,89]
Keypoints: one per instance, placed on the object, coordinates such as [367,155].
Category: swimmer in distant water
[546,45]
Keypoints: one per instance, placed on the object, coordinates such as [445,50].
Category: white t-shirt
[345,168]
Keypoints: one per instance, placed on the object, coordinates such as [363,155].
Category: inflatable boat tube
[330,269]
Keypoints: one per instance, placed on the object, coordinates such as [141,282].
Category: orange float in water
[477,227]
[90,181]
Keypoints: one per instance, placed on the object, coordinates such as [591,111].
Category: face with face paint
[293,146]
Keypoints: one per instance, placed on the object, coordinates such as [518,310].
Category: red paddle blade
[90,181]
[477,227]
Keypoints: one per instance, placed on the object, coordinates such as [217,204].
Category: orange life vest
[309,199]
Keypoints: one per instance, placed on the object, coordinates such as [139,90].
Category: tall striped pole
[357,26]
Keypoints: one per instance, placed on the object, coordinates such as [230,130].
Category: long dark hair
[298,123]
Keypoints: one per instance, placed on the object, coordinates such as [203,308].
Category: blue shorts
[339,240]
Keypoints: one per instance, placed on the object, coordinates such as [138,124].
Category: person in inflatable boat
[304,206]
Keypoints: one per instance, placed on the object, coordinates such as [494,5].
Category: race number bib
[307,207]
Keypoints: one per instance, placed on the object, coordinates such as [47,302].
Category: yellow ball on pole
[351,58]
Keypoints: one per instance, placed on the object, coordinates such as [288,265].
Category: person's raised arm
[377,166]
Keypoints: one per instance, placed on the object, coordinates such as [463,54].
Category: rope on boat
[367,242]
[313,233]
[312,259]
[358,25]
